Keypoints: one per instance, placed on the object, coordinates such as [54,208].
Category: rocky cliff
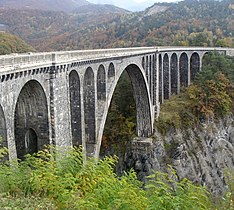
[202,154]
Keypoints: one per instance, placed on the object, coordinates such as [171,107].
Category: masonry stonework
[63,97]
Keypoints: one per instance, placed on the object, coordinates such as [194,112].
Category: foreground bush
[61,177]
[57,179]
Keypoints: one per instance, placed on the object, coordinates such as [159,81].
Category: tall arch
[89,107]
[194,65]
[142,100]
[101,83]
[154,79]
[3,130]
[160,78]
[174,73]
[31,119]
[150,76]
[184,70]
[166,76]
[75,108]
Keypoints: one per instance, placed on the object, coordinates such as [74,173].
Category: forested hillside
[12,44]
[190,22]
[55,5]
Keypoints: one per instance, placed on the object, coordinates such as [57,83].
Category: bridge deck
[13,62]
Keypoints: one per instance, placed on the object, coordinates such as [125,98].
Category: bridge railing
[21,60]
[102,53]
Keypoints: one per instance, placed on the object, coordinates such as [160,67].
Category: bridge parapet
[15,60]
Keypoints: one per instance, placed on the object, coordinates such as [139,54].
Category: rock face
[200,154]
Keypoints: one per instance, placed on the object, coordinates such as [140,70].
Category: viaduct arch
[142,100]
[64,97]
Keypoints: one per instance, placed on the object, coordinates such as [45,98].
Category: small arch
[101,83]
[89,108]
[183,70]
[75,108]
[147,68]
[111,71]
[174,73]
[31,98]
[160,78]
[194,65]
[166,76]
[143,63]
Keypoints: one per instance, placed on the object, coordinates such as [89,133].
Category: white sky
[130,4]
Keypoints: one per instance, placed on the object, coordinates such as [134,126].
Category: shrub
[55,178]
[166,192]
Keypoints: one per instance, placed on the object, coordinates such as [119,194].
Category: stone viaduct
[63,97]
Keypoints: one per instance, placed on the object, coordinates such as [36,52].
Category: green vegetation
[11,44]
[58,179]
[120,124]
[20,202]
[211,96]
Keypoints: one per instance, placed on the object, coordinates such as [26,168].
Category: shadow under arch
[183,68]
[166,73]
[101,83]
[89,110]
[31,119]
[194,65]
[75,107]
[111,71]
[142,101]
[3,131]
[160,94]
[174,73]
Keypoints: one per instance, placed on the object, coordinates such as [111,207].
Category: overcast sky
[130,4]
